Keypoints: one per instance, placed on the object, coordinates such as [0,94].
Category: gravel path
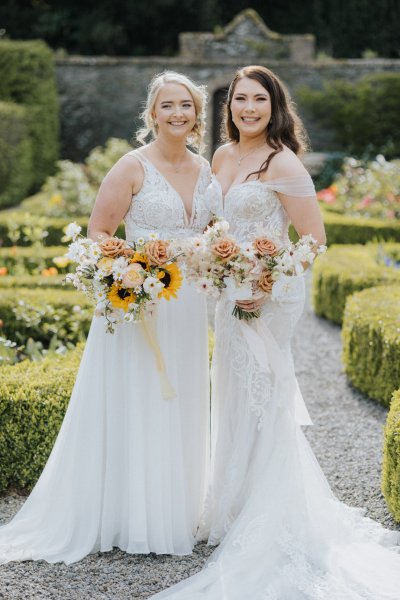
[346,437]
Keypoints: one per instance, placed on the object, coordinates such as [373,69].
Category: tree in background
[343,28]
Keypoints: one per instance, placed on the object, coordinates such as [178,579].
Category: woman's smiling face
[250,107]
[174,110]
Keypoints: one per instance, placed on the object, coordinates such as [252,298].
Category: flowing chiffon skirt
[282,533]
[129,467]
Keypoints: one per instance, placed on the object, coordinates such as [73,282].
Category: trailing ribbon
[150,332]
[270,358]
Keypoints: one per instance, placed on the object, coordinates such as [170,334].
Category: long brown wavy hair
[285,127]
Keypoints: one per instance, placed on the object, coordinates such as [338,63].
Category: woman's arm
[303,211]
[115,195]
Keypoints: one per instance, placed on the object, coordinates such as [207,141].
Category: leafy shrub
[28,78]
[370,190]
[364,115]
[33,400]
[102,158]
[344,270]
[391,458]
[44,314]
[371,341]
[16,163]
[71,192]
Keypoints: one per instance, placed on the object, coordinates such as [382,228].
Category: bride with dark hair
[282,534]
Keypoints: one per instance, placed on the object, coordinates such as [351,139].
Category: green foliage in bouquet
[344,270]
[44,315]
[16,156]
[364,115]
[33,400]
[391,458]
[368,190]
[371,341]
[28,79]
[71,192]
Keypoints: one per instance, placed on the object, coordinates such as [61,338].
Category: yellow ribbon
[150,332]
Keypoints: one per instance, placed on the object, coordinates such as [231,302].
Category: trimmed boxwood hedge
[46,313]
[391,458]
[9,257]
[33,282]
[341,229]
[28,78]
[33,400]
[54,227]
[16,155]
[344,270]
[371,341]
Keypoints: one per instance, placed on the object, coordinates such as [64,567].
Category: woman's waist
[133,233]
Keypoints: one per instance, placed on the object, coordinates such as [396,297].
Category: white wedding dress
[129,467]
[282,533]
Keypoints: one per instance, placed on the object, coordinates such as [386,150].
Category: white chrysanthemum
[153,235]
[152,286]
[72,230]
[94,252]
[140,241]
[75,251]
[119,267]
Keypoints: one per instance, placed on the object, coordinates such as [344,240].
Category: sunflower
[141,259]
[120,297]
[171,277]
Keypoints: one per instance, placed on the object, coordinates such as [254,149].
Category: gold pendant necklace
[239,160]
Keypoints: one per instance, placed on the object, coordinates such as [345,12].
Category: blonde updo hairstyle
[199,95]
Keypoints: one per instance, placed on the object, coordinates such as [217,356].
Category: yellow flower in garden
[141,259]
[120,297]
[61,261]
[56,200]
[3,271]
[171,277]
[50,272]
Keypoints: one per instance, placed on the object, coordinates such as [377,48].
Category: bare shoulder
[222,153]
[128,170]
[286,164]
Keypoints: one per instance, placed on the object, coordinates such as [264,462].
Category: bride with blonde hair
[129,466]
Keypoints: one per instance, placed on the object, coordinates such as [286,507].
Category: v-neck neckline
[188,220]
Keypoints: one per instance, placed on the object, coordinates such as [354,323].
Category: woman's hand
[251,305]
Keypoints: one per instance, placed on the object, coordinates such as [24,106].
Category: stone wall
[102,98]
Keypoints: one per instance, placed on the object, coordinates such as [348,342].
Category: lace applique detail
[158,207]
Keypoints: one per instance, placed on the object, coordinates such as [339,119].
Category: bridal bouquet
[125,280]
[215,262]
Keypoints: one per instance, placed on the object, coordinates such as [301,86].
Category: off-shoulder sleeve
[301,186]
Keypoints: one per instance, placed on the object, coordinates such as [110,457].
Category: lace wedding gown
[282,533]
[129,467]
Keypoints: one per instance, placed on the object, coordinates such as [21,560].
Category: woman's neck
[174,149]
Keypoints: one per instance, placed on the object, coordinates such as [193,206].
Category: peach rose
[265,281]
[225,249]
[157,252]
[112,247]
[134,276]
[264,247]
[128,252]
